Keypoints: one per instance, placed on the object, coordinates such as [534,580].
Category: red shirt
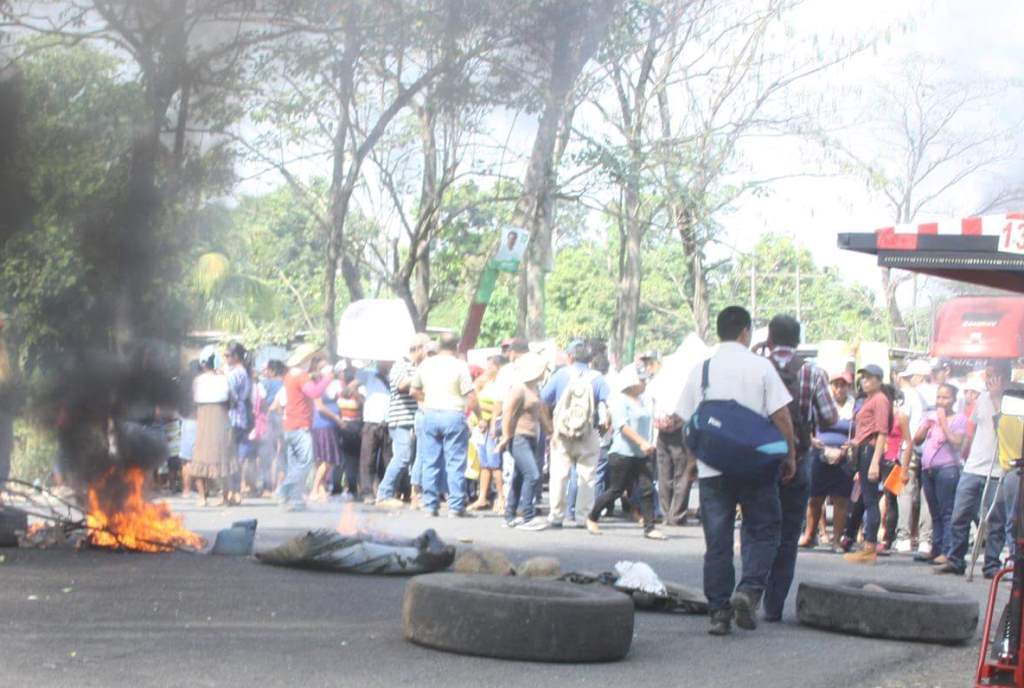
[873,418]
[299,393]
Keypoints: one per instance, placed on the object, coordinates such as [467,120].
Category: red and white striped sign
[1008,227]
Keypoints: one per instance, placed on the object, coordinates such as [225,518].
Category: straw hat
[530,367]
[302,354]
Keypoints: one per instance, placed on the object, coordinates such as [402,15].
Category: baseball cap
[842,375]
[872,370]
[651,355]
[517,344]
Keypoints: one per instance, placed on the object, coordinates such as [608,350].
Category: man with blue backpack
[736,408]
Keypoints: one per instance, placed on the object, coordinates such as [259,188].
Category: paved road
[92,618]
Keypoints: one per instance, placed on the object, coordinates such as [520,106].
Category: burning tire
[516,618]
[888,610]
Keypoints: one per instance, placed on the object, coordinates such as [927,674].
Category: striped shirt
[402,406]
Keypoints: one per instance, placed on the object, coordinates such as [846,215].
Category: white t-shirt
[376,395]
[735,373]
[211,388]
[983,447]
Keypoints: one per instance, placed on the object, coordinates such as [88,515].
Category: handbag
[732,439]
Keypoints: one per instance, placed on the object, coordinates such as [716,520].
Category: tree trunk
[575,43]
[627,306]
[899,334]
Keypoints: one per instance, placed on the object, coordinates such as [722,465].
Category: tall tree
[925,126]
[562,36]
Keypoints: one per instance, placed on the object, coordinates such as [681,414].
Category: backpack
[574,412]
[793,374]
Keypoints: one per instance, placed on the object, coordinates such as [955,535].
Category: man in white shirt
[981,466]
[919,399]
[375,450]
[737,373]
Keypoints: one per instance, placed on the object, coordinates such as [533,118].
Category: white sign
[375,330]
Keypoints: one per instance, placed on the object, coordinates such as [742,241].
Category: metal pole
[753,292]
[798,318]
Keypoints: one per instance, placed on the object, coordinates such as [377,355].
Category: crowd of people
[432,432]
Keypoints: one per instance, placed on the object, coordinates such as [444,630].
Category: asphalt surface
[97,618]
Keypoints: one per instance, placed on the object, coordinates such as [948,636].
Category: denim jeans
[445,441]
[759,535]
[939,486]
[416,472]
[869,491]
[299,452]
[966,507]
[793,500]
[525,478]
[635,474]
[1006,508]
[401,457]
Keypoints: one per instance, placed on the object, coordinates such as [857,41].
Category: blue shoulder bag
[734,440]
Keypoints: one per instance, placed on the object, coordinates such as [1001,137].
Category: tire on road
[888,610]
[517,618]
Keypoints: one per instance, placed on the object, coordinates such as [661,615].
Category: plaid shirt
[814,397]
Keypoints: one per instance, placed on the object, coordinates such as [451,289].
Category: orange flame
[120,517]
[349,523]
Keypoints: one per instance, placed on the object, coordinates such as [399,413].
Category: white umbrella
[375,330]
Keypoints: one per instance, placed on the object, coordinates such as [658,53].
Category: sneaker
[925,557]
[845,544]
[948,567]
[390,503]
[514,523]
[459,514]
[721,623]
[744,605]
[434,513]
[534,524]
[593,528]
[554,524]
[655,535]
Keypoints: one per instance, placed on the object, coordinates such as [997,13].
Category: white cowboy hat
[530,367]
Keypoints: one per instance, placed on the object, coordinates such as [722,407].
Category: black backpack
[803,427]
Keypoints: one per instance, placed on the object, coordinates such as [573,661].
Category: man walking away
[444,385]
[574,393]
[375,450]
[301,388]
[812,407]
[401,419]
[738,374]
[981,466]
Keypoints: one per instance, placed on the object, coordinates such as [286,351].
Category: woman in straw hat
[629,459]
[524,416]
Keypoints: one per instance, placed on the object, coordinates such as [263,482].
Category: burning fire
[120,517]
[349,524]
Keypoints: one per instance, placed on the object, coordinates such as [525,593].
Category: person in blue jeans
[445,389]
[524,416]
[401,420]
[942,432]
[982,466]
[812,400]
[736,373]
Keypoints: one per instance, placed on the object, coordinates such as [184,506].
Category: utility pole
[753,292]
[798,318]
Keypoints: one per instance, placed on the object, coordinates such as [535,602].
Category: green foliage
[35,452]
[830,307]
